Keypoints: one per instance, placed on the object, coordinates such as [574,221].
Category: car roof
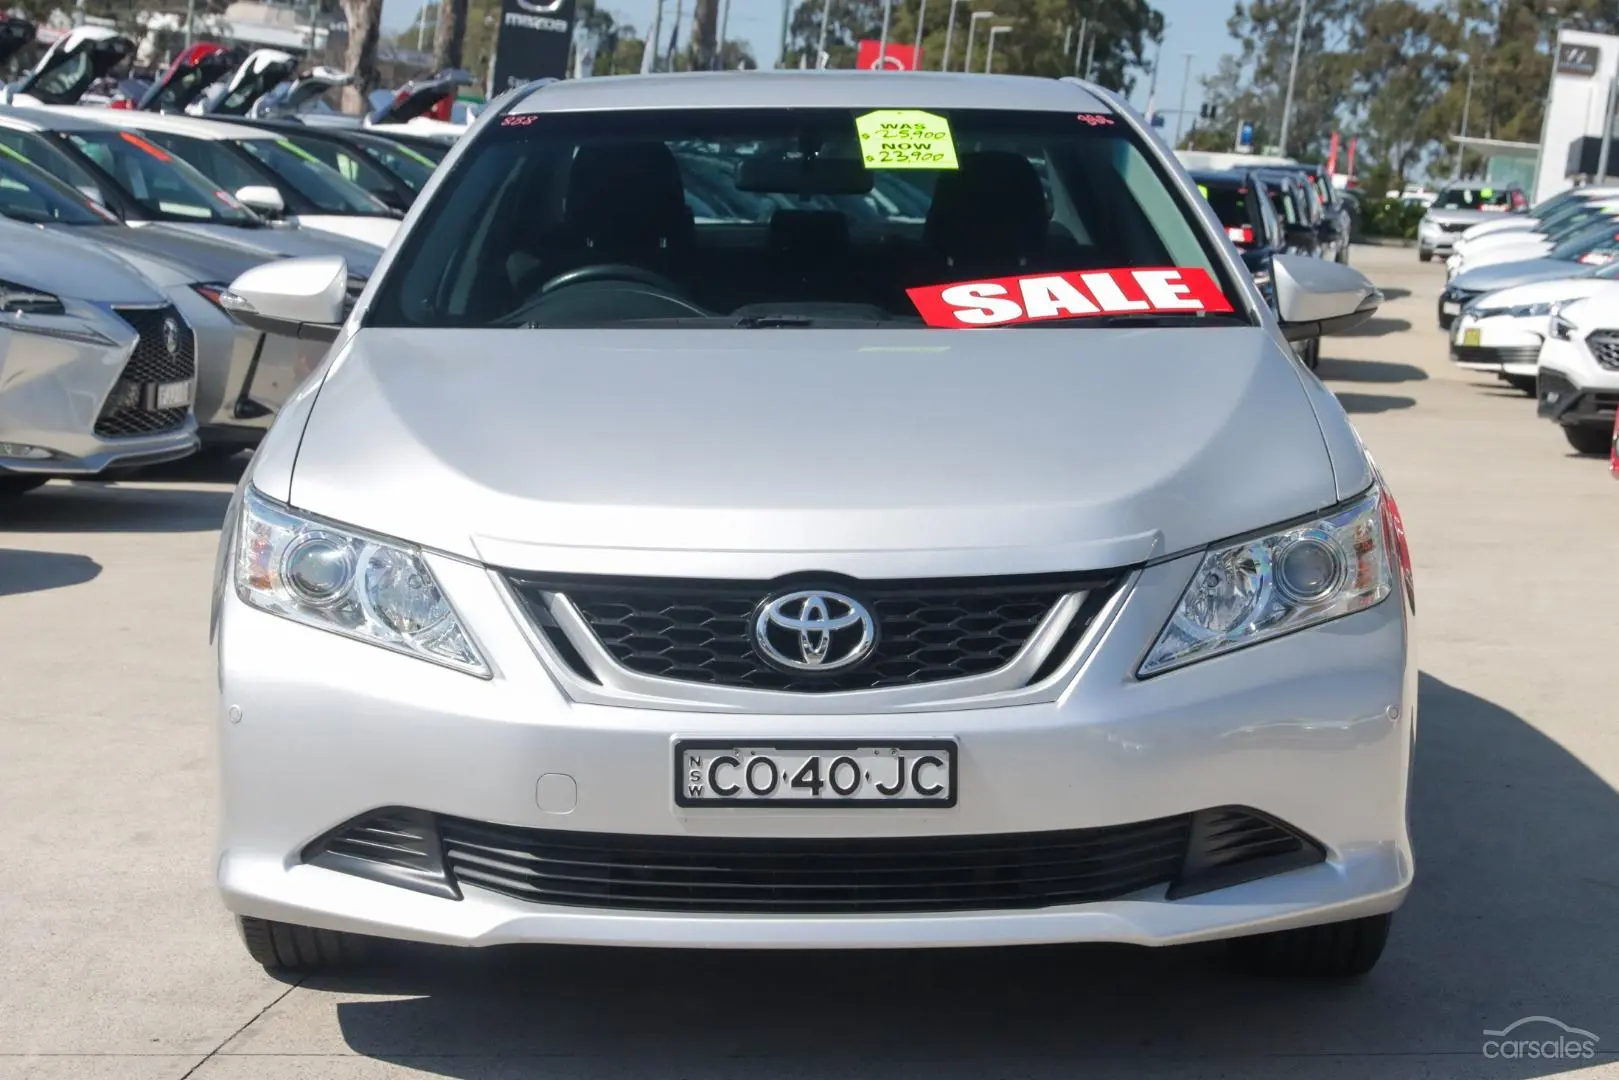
[90,115]
[815,89]
[46,119]
[1221,176]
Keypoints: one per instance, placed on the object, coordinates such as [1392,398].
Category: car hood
[68,266]
[1512,223]
[376,231]
[190,256]
[1499,240]
[755,452]
[1544,292]
[277,240]
[1521,272]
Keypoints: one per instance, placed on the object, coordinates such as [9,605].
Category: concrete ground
[117,962]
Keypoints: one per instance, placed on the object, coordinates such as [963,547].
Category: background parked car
[69,67]
[1514,244]
[1336,223]
[1297,210]
[1460,206]
[1578,385]
[96,365]
[1574,258]
[1537,216]
[1501,332]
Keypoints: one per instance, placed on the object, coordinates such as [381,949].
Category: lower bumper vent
[1188,853]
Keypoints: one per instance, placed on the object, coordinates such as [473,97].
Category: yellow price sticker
[1488,193]
[905,139]
[1203,191]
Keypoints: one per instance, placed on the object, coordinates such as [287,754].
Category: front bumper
[1572,389]
[1497,344]
[1313,729]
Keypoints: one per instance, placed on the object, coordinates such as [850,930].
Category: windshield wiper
[773,322]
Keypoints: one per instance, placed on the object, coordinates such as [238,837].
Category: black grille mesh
[1478,354]
[150,363]
[1604,346]
[702,632]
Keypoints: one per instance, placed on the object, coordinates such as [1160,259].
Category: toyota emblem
[814,630]
[171,336]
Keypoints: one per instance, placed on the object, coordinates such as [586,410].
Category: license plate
[818,772]
[173,395]
[1452,309]
[1470,338]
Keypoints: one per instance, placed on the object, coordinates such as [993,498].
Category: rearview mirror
[1315,297]
[299,298]
[262,199]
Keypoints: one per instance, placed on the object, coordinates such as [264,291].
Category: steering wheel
[611,272]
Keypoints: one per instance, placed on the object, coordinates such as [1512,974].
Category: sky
[1193,25]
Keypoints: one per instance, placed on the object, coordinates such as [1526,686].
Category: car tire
[282,946]
[1424,256]
[12,486]
[1589,439]
[1341,950]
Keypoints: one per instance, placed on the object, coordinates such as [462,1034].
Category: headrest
[994,204]
[627,194]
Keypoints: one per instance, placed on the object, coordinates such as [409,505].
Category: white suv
[1579,371]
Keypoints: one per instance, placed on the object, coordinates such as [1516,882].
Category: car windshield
[33,195]
[60,80]
[413,168]
[306,174]
[1282,202]
[1469,198]
[1231,206]
[1576,221]
[1593,246]
[350,162]
[161,184]
[781,218]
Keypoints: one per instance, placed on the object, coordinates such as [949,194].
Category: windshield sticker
[292,149]
[1073,294]
[905,139]
[12,154]
[1096,119]
[1203,191]
[142,144]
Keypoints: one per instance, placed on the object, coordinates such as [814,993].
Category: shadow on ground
[1373,403]
[1338,369]
[62,507]
[1378,327]
[37,571]
[1516,897]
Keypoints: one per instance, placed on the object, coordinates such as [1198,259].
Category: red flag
[1351,158]
[1332,156]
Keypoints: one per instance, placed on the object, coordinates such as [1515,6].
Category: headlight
[22,308]
[210,291]
[1522,311]
[1561,328]
[334,578]
[1258,589]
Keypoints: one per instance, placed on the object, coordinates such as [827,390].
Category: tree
[365,27]
[449,34]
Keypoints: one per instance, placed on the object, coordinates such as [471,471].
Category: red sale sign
[1075,293]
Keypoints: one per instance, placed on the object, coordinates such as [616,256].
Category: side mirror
[298,298]
[1315,298]
[1299,236]
[262,199]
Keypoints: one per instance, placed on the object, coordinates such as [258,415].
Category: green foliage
[1041,40]
[1390,218]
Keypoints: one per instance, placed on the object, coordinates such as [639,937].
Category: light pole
[1079,46]
[972,30]
[989,57]
[649,55]
[826,14]
[1152,88]
[719,50]
[1180,115]
[882,43]
[916,50]
[1293,72]
[949,33]
[1467,104]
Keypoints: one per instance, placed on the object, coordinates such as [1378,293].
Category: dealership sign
[1575,59]
[534,40]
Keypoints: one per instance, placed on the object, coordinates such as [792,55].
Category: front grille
[1604,346]
[128,410]
[1453,226]
[1477,354]
[702,632]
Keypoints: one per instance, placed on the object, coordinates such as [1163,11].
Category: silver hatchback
[813,510]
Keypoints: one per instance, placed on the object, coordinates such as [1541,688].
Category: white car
[1501,333]
[264,172]
[1517,245]
[97,367]
[1537,215]
[1578,382]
